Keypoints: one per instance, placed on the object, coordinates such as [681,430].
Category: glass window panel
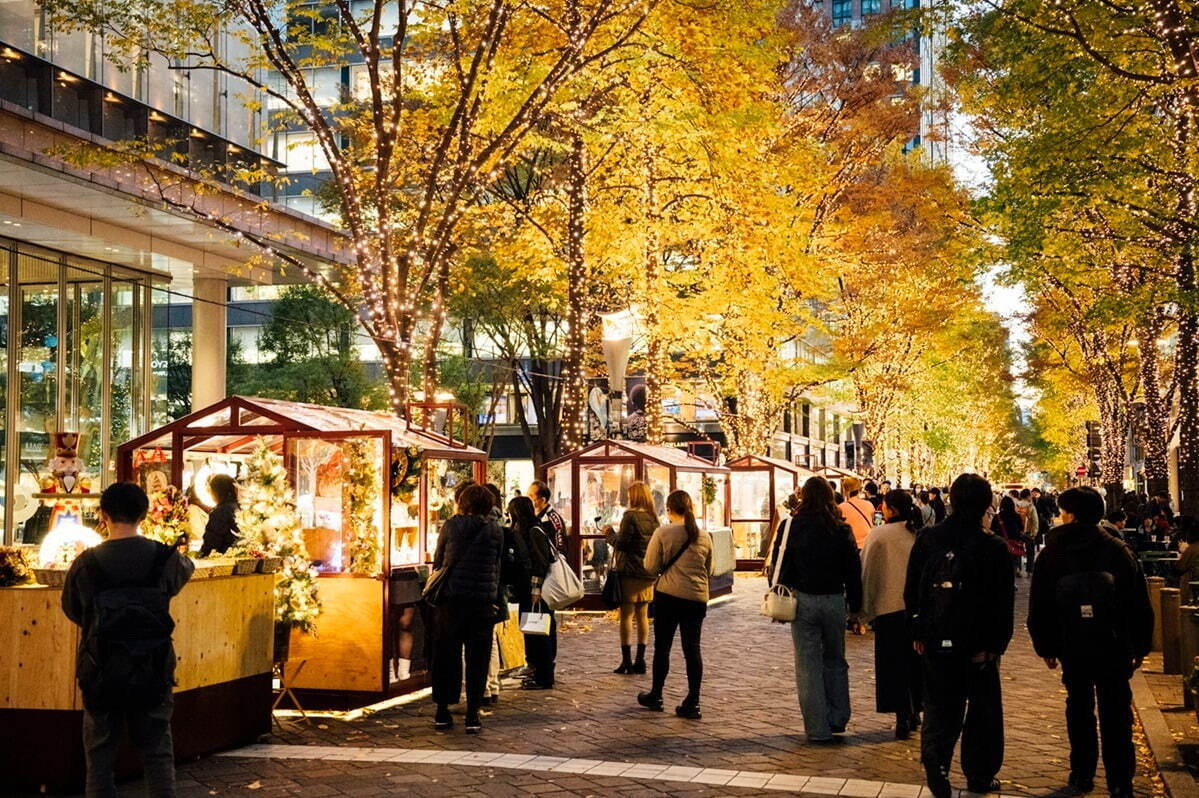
[126,363]
[37,387]
[751,495]
[714,509]
[784,486]
[442,477]
[170,364]
[603,498]
[559,485]
[83,366]
[658,479]
[749,539]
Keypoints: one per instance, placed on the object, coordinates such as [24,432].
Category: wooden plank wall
[224,629]
[346,653]
[37,650]
[223,632]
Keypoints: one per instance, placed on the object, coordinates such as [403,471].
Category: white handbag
[535,623]
[562,586]
[780,602]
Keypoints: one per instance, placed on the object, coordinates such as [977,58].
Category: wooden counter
[223,639]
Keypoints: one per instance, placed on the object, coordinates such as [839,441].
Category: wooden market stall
[758,486]
[222,699]
[589,488]
[370,638]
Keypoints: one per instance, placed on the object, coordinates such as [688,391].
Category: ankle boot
[626,661]
[639,663]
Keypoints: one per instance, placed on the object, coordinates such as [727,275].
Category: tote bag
[562,586]
[780,602]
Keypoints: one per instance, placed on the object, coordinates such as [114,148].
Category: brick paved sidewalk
[751,723]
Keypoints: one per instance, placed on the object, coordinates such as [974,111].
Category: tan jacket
[688,577]
[885,569]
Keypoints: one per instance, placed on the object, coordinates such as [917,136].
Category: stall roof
[761,459]
[665,455]
[237,421]
[837,473]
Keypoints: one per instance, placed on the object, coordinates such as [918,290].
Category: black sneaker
[1080,784]
[983,787]
[650,701]
[473,724]
[443,720]
[938,783]
[533,684]
[688,711]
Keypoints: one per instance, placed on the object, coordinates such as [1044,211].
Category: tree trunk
[1152,424]
[1113,426]
[579,310]
[653,351]
[1188,391]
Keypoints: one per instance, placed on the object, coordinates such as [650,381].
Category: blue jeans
[821,672]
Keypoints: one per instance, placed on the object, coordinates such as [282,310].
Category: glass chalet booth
[589,487]
[370,637]
[758,487]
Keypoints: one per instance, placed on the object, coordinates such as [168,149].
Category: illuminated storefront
[75,338]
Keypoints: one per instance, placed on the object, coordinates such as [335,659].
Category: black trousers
[1109,686]
[898,671]
[541,651]
[459,627]
[962,698]
[687,617]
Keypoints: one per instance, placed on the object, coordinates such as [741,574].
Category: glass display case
[371,640]
[589,487]
[758,488]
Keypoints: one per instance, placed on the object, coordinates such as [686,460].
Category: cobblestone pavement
[751,723]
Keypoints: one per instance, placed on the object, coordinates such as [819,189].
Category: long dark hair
[679,503]
[937,503]
[1010,518]
[522,514]
[901,502]
[818,501]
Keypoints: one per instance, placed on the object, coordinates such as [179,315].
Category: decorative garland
[406,466]
[359,493]
[167,519]
[269,523]
[707,490]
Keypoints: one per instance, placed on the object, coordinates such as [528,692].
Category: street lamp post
[618,340]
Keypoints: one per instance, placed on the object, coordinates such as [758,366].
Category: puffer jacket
[471,544]
[631,540]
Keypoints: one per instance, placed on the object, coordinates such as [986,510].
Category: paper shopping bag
[535,623]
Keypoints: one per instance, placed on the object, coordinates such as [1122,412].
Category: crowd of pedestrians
[931,572]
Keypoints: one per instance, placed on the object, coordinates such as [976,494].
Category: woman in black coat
[464,617]
[1008,525]
[534,546]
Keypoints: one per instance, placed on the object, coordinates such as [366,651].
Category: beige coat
[885,569]
[687,578]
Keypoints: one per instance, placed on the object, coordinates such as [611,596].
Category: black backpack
[943,619]
[1087,613]
[127,661]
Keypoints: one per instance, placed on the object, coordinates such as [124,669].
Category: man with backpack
[960,596]
[1089,610]
[119,593]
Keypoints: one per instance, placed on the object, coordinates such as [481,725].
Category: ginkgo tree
[449,91]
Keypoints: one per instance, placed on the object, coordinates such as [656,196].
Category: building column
[209,340]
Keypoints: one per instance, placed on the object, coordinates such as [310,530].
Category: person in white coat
[884,572]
